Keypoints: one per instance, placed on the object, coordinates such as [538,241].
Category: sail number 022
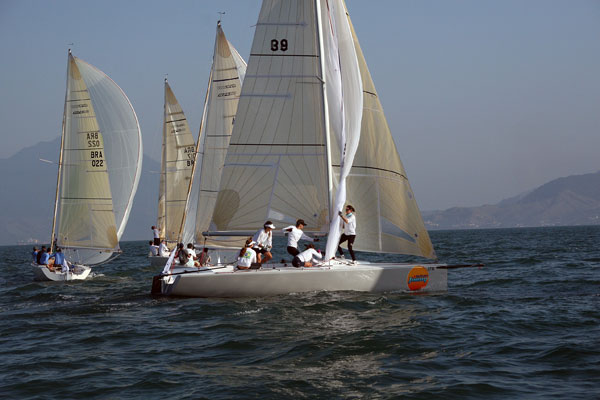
[279,45]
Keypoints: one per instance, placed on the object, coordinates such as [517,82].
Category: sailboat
[178,156]
[98,172]
[310,136]
[220,105]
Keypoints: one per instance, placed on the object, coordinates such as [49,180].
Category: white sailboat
[310,135]
[220,105]
[98,173]
[178,156]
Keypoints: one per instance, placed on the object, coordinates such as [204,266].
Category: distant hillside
[28,190]
[29,187]
[573,200]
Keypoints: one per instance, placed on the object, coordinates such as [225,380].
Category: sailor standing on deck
[349,231]
[156,234]
[294,234]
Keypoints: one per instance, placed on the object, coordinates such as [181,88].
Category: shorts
[258,250]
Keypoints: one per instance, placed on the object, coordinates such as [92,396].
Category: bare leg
[266,257]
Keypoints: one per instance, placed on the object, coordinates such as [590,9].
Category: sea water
[527,325]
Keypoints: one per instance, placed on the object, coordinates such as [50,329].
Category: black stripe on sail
[223,80]
[375,168]
[283,55]
[277,144]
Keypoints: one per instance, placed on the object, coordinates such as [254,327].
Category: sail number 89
[279,45]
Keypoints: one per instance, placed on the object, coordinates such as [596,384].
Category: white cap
[270,226]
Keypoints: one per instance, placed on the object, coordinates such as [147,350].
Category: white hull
[276,279]
[79,272]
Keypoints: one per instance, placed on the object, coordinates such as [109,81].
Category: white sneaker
[353,262]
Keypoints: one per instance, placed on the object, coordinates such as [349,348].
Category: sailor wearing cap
[294,234]
[263,242]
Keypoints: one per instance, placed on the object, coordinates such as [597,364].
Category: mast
[60,158]
[325,109]
[164,172]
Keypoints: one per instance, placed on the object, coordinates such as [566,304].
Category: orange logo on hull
[417,278]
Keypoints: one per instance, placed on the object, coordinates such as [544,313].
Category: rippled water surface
[527,325]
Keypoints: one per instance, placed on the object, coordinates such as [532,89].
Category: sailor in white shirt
[263,242]
[153,249]
[156,234]
[349,230]
[305,258]
[247,256]
[294,234]
[163,250]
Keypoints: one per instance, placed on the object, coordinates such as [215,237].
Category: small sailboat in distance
[98,172]
[178,157]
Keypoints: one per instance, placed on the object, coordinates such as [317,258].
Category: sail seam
[284,55]
[375,168]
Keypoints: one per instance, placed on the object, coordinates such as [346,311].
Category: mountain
[572,200]
[29,189]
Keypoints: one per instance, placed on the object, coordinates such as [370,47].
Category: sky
[485,99]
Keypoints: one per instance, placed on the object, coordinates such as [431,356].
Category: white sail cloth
[345,102]
[100,166]
[223,93]
[178,155]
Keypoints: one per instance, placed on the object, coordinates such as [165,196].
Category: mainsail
[178,155]
[100,165]
[225,83]
[306,93]
[276,164]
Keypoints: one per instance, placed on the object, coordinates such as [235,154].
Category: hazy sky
[486,99]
